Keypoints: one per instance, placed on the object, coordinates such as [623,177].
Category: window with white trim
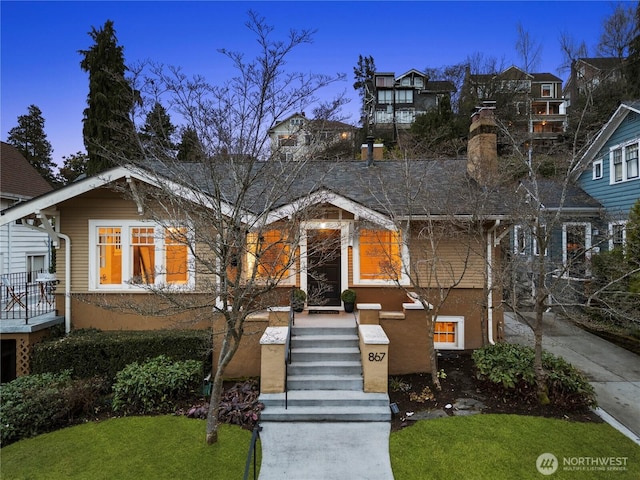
[547,90]
[378,258]
[617,234]
[597,169]
[448,333]
[576,255]
[127,254]
[519,240]
[385,96]
[404,96]
[625,164]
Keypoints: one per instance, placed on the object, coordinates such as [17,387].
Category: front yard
[490,446]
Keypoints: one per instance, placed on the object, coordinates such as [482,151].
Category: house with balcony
[394,102]
[25,261]
[300,138]
[529,103]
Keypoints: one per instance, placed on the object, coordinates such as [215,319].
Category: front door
[324,267]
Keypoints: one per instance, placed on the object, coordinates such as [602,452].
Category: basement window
[449,333]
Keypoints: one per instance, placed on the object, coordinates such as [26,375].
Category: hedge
[90,353]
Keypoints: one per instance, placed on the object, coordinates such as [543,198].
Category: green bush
[511,367]
[156,385]
[89,353]
[35,404]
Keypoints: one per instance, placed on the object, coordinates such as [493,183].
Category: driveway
[613,371]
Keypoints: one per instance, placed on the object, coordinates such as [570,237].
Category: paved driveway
[613,371]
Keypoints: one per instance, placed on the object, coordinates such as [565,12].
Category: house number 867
[376,357]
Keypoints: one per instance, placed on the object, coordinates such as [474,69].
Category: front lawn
[163,447]
[168,447]
[506,447]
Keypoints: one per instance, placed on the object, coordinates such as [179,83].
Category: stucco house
[397,227]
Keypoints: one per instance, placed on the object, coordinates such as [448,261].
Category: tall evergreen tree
[73,167]
[30,140]
[190,148]
[363,74]
[107,126]
[157,131]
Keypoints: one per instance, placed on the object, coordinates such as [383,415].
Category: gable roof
[605,133]
[602,63]
[18,178]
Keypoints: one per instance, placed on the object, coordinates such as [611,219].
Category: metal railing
[252,454]
[287,356]
[26,295]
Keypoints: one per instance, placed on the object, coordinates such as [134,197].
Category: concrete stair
[325,382]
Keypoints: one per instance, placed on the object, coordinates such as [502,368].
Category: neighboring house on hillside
[532,102]
[394,102]
[588,73]
[28,250]
[571,219]
[23,253]
[377,215]
[609,170]
[300,138]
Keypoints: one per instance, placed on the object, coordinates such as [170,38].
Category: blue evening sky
[40,63]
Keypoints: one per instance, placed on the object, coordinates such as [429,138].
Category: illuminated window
[379,252]
[143,255]
[269,254]
[110,253]
[176,255]
[448,333]
[134,253]
[547,88]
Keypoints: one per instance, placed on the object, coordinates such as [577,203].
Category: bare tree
[617,32]
[232,218]
[528,49]
[437,245]
[571,51]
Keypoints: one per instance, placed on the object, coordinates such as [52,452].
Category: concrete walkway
[325,451]
[613,371]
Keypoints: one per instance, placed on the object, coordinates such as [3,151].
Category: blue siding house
[609,171]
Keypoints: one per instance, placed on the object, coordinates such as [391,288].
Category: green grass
[505,447]
[168,447]
[163,447]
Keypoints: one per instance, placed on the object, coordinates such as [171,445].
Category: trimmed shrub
[34,404]
[89,353]
[156,385]
[511,367]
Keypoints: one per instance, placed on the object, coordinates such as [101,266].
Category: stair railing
[252,453]
[287,357]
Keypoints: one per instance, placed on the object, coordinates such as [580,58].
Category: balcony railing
[26,295]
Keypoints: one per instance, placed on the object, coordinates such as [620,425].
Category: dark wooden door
[324,267]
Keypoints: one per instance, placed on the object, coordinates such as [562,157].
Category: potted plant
[298,298]
[348,297]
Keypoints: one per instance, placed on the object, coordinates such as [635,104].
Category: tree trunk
[214,406]
[543,397]
[433,357]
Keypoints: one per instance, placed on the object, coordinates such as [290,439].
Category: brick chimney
[482,148]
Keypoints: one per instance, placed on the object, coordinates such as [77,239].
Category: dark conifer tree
[108,130]
[30,140]
[157,131]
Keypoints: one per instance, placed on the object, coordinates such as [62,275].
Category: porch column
[272,355]
[374,352]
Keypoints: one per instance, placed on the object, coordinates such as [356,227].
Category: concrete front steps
[325,381]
